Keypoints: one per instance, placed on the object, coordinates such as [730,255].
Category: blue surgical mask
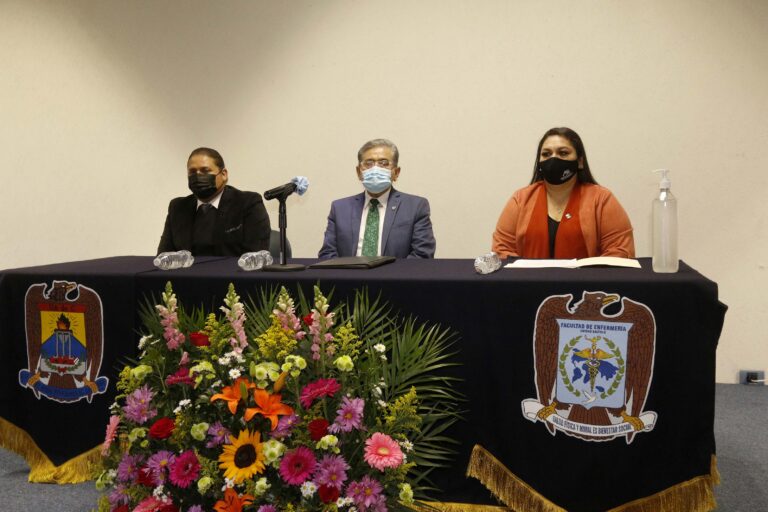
[377,179]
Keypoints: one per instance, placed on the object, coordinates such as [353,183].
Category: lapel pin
[567,215]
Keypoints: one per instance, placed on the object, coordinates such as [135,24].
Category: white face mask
[377,179]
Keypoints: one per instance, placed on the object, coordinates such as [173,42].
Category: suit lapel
[393,206]
[356,214]
[222,215]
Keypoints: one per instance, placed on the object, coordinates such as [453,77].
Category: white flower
[228,484]
[343,502]
[379,347]
[183,404]
[234,373]
[158,492]
[406,445]
[308,489]
[382,403]
[376,390]
[224,360]
[143,341]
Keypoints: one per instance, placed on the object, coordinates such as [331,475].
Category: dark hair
[584,175]
[212,153]
[375,143]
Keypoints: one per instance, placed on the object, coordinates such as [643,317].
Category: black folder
[354,262]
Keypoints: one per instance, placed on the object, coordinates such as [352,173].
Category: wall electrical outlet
[752,377]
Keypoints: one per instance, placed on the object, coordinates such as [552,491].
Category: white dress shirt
[213,202]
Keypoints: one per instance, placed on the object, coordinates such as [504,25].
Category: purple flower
[138,405]
[128,469]
[284,426]
[219,435]
[158,466]
[331,471]
[267,508]
[195,508]
[349,415]
[366,494]
[118,496]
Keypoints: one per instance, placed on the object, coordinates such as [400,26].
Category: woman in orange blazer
[563,213]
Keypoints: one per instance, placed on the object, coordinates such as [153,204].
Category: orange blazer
[593,211]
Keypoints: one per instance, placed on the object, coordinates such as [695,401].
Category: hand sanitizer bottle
[665,227]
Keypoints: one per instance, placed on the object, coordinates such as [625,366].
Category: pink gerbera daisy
[381,451]
[114,421]
[317,389]
[181,376]
[297,465]
[184,469]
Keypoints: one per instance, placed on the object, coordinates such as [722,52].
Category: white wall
[101,103]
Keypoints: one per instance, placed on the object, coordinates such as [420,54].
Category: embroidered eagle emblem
[593,368]
[64,342]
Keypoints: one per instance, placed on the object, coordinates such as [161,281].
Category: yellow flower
[243,458]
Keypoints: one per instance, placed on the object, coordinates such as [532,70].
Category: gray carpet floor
[742,454]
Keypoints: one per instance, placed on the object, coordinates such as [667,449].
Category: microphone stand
[283,266]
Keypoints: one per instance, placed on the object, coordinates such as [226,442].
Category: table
[495,316]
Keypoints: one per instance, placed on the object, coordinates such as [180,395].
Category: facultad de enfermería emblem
[593,369]
[65,342]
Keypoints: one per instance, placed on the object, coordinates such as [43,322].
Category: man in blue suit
[381,221]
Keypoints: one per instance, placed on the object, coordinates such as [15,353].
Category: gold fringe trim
[713,471]
[41,469]
[440,506]
[503,484]
[695,495]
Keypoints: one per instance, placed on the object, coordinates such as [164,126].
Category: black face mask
[557,171]
[202,185]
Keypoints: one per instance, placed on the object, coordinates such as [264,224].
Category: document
[597,261]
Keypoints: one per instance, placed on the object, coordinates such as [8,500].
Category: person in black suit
[217,219]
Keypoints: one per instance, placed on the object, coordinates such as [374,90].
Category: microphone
[299,184]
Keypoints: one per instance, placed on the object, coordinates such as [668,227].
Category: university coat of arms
[593,370]
[64,342]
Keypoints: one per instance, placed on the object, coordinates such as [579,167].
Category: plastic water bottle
[665,227]
[487,263]
[254,260]
[173,260]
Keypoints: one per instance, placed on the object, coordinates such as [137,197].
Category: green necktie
[371,237]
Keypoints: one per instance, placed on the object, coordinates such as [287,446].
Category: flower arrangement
[279,407]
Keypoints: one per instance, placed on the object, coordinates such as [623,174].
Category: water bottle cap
[665,182]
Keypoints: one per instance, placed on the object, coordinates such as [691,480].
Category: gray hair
[375,143]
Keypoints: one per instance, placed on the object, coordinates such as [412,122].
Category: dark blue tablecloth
[495,318]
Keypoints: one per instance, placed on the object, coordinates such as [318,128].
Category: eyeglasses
[367,164]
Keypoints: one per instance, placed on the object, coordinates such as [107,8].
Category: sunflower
[244,457]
